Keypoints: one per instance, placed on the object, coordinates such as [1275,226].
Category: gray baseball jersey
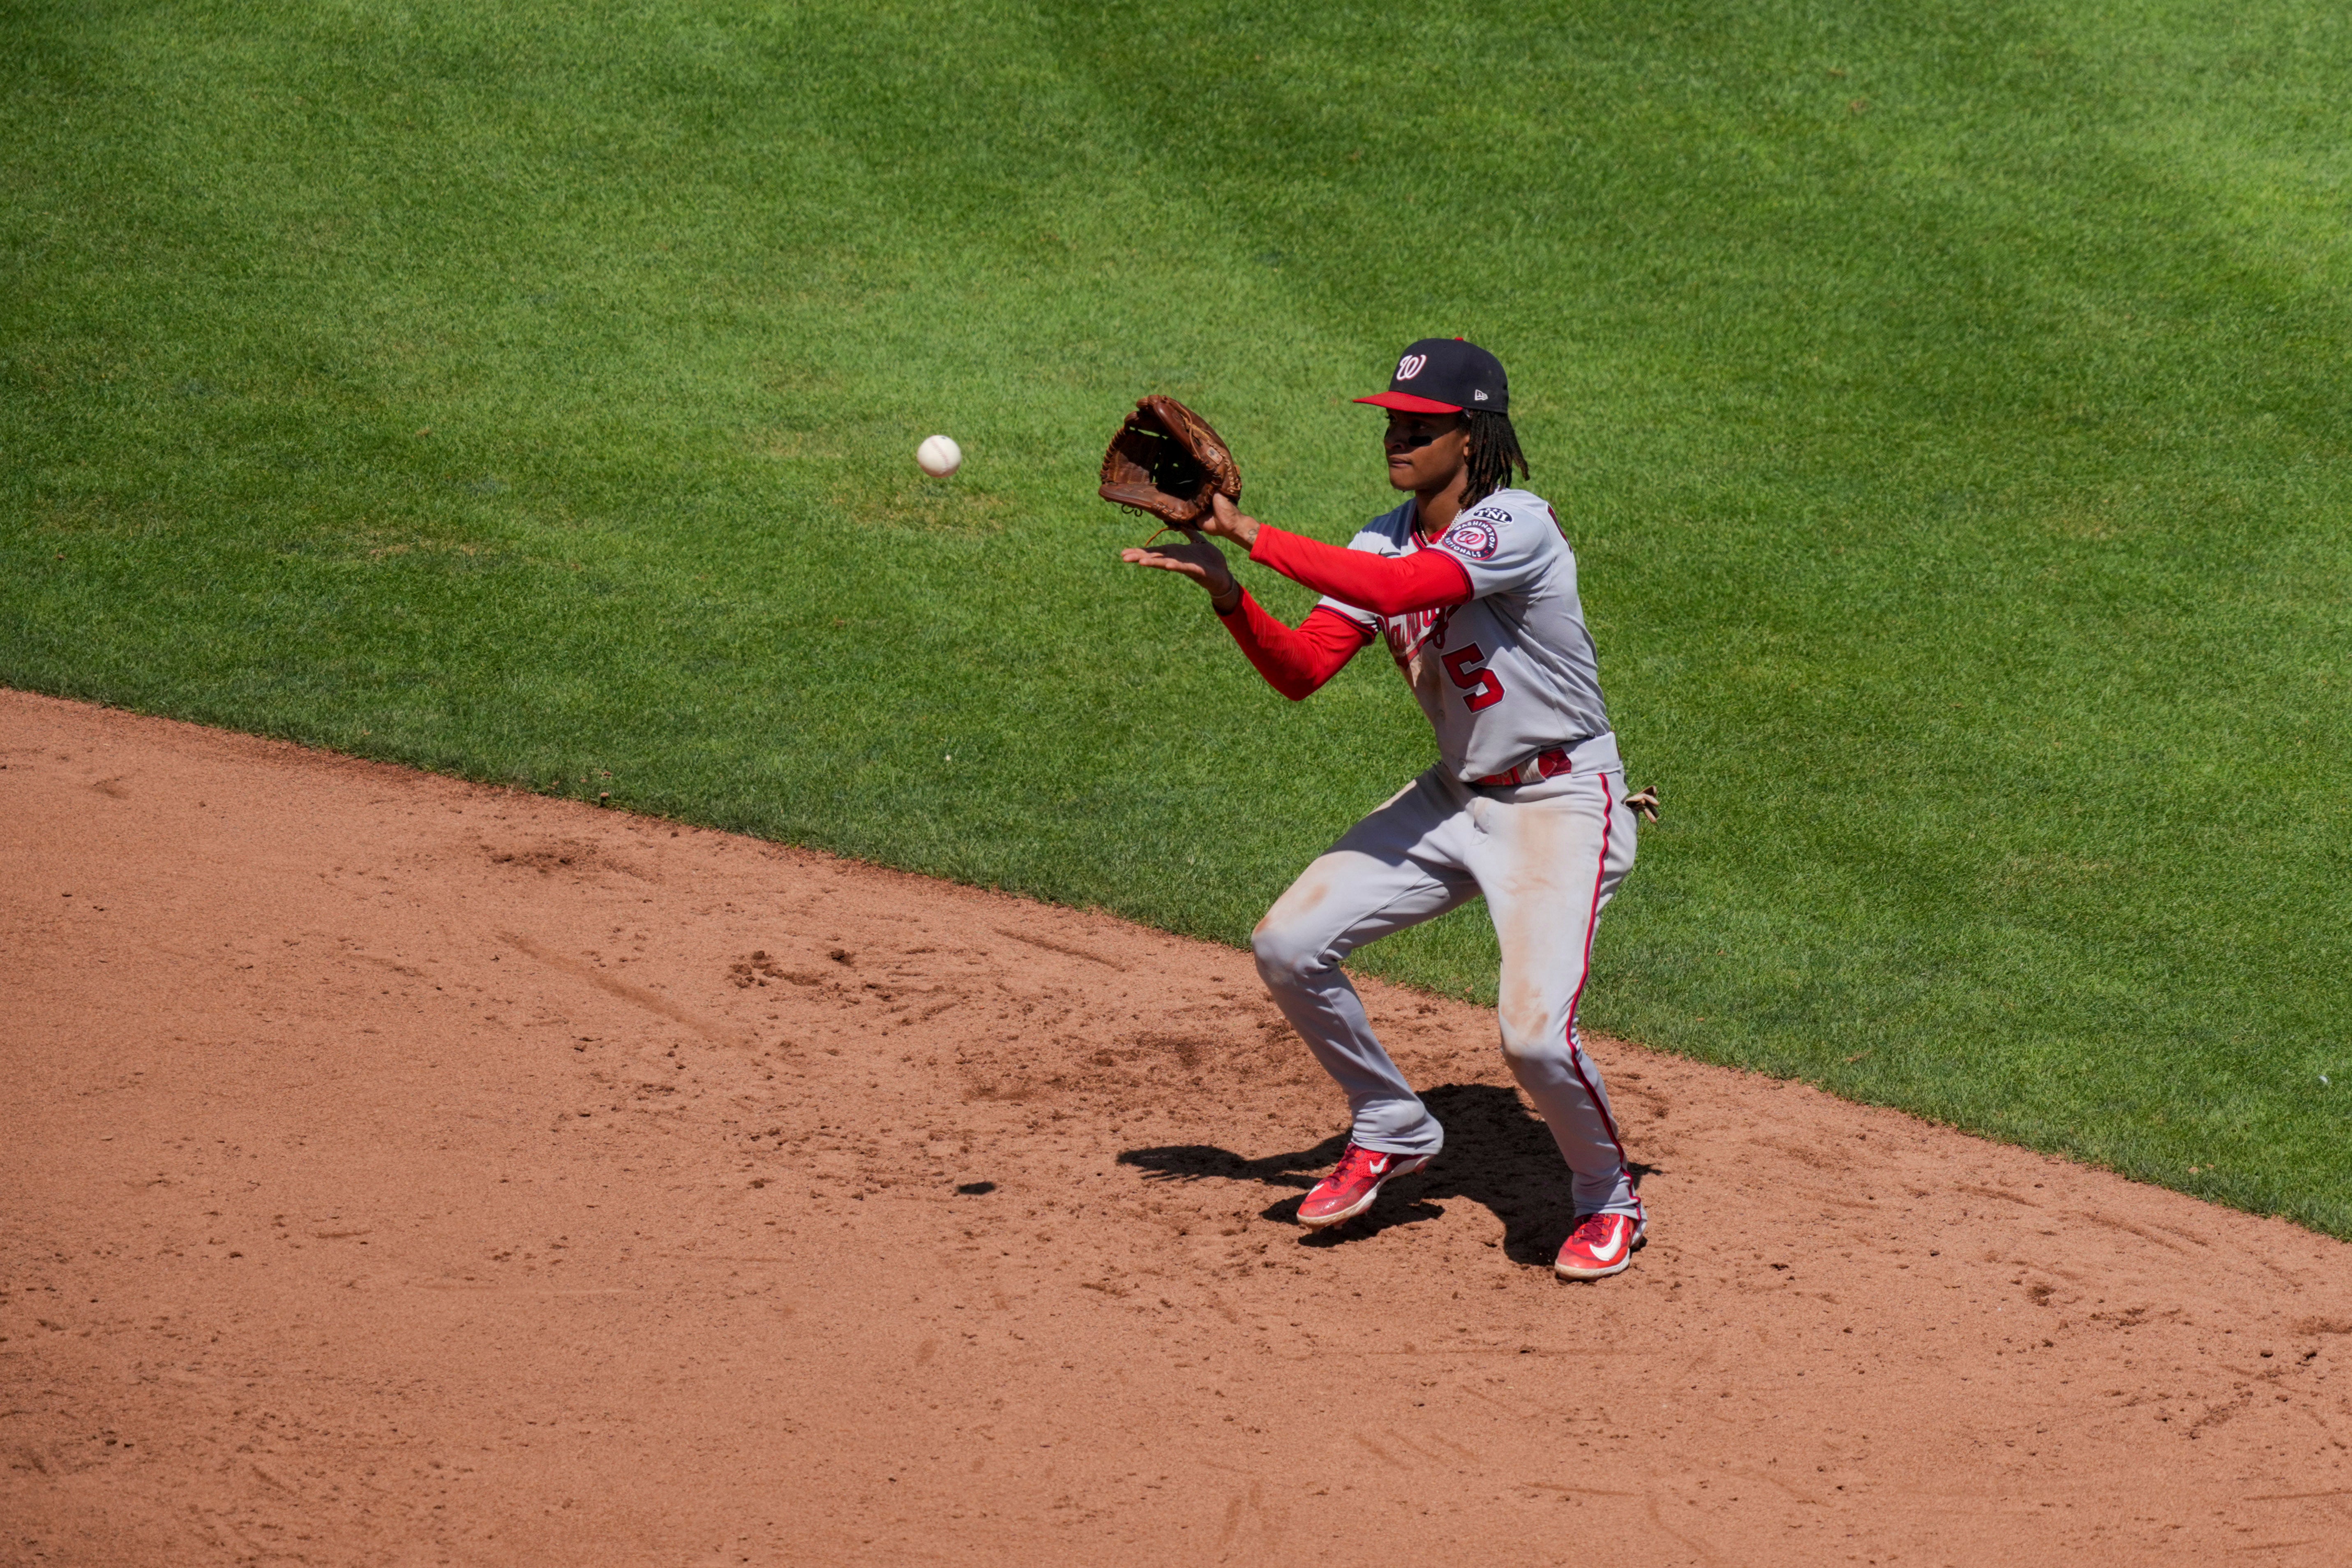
[1512,673]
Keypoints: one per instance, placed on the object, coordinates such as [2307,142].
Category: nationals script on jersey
[1513,672]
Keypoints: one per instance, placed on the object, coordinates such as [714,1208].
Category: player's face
[1424,450]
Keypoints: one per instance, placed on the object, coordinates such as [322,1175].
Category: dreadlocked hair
[1494,453]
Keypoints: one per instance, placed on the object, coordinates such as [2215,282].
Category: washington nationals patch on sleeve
[1473,537]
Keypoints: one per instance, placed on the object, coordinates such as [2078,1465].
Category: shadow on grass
[1498,1153]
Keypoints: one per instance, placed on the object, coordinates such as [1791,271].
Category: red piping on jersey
[1384,585]
[1592,924]
[1294,660]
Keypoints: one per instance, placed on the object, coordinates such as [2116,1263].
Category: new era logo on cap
[1448,376]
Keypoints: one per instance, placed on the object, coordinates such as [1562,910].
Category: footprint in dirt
[1498,1153]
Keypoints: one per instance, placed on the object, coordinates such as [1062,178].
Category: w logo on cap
[1445,375]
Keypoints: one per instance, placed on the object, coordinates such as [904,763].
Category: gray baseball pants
[1548,857]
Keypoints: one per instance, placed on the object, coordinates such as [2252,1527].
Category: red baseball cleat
[1349,1190]
[1601,1244]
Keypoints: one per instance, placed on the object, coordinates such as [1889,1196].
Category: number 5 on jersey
[1484,688]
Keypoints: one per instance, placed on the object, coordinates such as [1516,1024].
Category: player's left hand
[1196,558]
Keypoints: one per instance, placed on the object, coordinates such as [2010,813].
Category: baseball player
[1472,585]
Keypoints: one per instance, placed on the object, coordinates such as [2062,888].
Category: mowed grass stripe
[1946,406]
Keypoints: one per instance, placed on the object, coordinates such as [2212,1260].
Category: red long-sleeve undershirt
[1297,661]
[1294,660]
[1384,585]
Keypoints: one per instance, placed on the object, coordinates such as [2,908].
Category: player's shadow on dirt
[1498,1153]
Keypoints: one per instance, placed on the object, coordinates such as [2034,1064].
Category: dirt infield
[402,1172]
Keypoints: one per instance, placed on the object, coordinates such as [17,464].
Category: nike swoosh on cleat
[1380,1165]
[1608,1254]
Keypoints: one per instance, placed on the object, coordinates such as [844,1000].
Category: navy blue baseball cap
[1446,375]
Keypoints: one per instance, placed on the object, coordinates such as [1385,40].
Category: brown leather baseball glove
[1167,461]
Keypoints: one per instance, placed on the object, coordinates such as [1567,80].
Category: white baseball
[939,455]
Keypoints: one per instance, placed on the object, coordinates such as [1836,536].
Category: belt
[1593,755]
[1547,764]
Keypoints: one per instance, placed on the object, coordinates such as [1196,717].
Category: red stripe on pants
[1592,925]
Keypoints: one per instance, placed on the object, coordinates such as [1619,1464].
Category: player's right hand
[1227,520]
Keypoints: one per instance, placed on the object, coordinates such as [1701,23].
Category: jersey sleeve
[1362,620]
[1505,542]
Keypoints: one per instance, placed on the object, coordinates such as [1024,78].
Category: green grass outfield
[1948,402]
